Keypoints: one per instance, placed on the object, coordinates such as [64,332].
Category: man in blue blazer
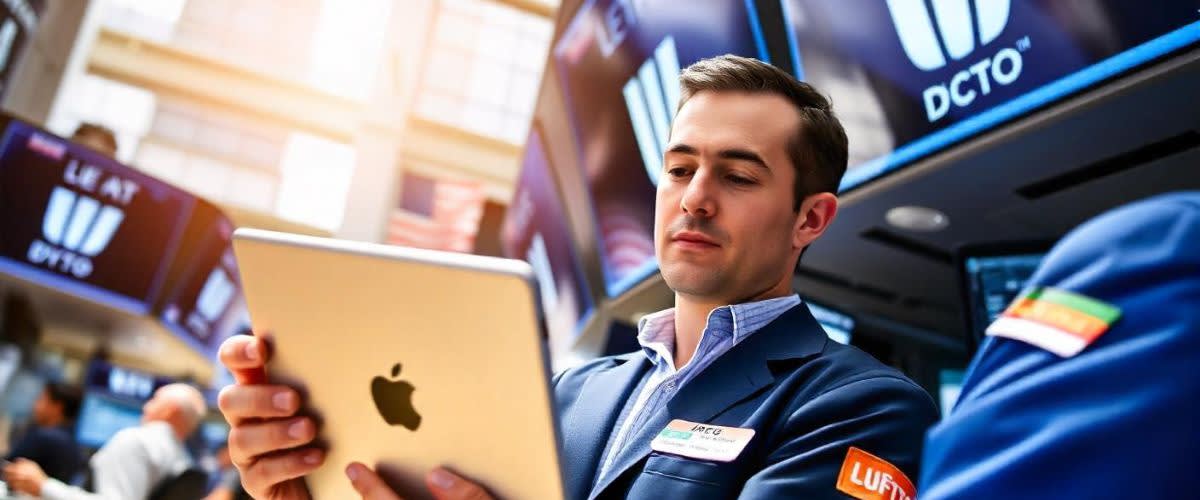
[1087,386]
[737,392]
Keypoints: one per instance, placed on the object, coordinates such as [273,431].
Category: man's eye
[677,171]
[744,181]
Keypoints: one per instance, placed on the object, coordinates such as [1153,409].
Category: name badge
[702,441]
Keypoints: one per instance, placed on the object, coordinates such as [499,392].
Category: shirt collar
[656,331]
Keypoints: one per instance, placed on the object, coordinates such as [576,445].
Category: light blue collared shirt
[727,325]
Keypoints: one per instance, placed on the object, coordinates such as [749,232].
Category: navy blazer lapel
[733,377]
[591,420]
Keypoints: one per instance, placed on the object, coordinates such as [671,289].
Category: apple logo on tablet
[393,399]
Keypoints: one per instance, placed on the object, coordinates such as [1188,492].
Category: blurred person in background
[1086,386]
[136,461]
[225,483]
[97,137]
[51,442]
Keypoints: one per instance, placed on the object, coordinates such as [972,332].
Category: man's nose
[698,198]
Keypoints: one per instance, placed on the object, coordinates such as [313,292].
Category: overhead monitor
[83,223]
[214,432]
[113,399]
[536,229]
[121,382]
[101,416]
[911,77]
[204,302]
[991,276]
[950,384]
[618,63]
[838,325]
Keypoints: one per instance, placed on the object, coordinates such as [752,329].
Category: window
[483,68]
[272,37]
[126,109]
[348,46]
[150,19]
[315,181]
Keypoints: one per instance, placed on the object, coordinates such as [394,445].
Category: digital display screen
[18,22]
[83,223]
[205,302]
[993,282]
[536,229]
[121,382]
[949,388]
[101,416]
[619,63]
[214,433]
[838,326]
[910,77]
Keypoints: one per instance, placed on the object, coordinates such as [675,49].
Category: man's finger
[368,484]
[246,358]
[250,440]
[239,402]
[268,471]
[446,485]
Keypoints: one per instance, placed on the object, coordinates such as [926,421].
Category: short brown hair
[821,142]
[107,140]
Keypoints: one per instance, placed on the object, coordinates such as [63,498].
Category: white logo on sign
[915,26]
[130,384]
[80,223]
[920,42]
[75,228]
[214,299]
[652,96]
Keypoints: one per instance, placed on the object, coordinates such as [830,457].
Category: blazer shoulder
[841,368]
[580,373]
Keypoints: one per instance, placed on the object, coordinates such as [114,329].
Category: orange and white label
[868,477]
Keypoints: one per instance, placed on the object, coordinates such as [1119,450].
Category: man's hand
[444,485]
[268,443]
[25,476]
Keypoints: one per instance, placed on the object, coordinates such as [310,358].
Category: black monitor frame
[986,249]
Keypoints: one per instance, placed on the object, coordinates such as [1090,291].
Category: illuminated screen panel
[838,326]
[100,417]
[205,301]
[619,62]
[949,388]
[113,399]
[910,77]
[993,282]
[84,223]
[536,230]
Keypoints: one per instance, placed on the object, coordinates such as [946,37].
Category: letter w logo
[79,223]
[920,42]
[652,96]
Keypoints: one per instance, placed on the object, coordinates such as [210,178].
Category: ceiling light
[914,218]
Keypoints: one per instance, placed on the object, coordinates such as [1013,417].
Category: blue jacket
[1120,419]
[808,399]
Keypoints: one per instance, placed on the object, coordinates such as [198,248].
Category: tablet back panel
[465,331]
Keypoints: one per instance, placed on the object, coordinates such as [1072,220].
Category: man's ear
[816,213]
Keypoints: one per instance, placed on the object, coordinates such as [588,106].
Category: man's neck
[691,317]
[52,422]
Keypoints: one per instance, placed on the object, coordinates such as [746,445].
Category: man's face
[45,409]
[155,409]
[724,224]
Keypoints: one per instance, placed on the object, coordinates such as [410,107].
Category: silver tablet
[410,358]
